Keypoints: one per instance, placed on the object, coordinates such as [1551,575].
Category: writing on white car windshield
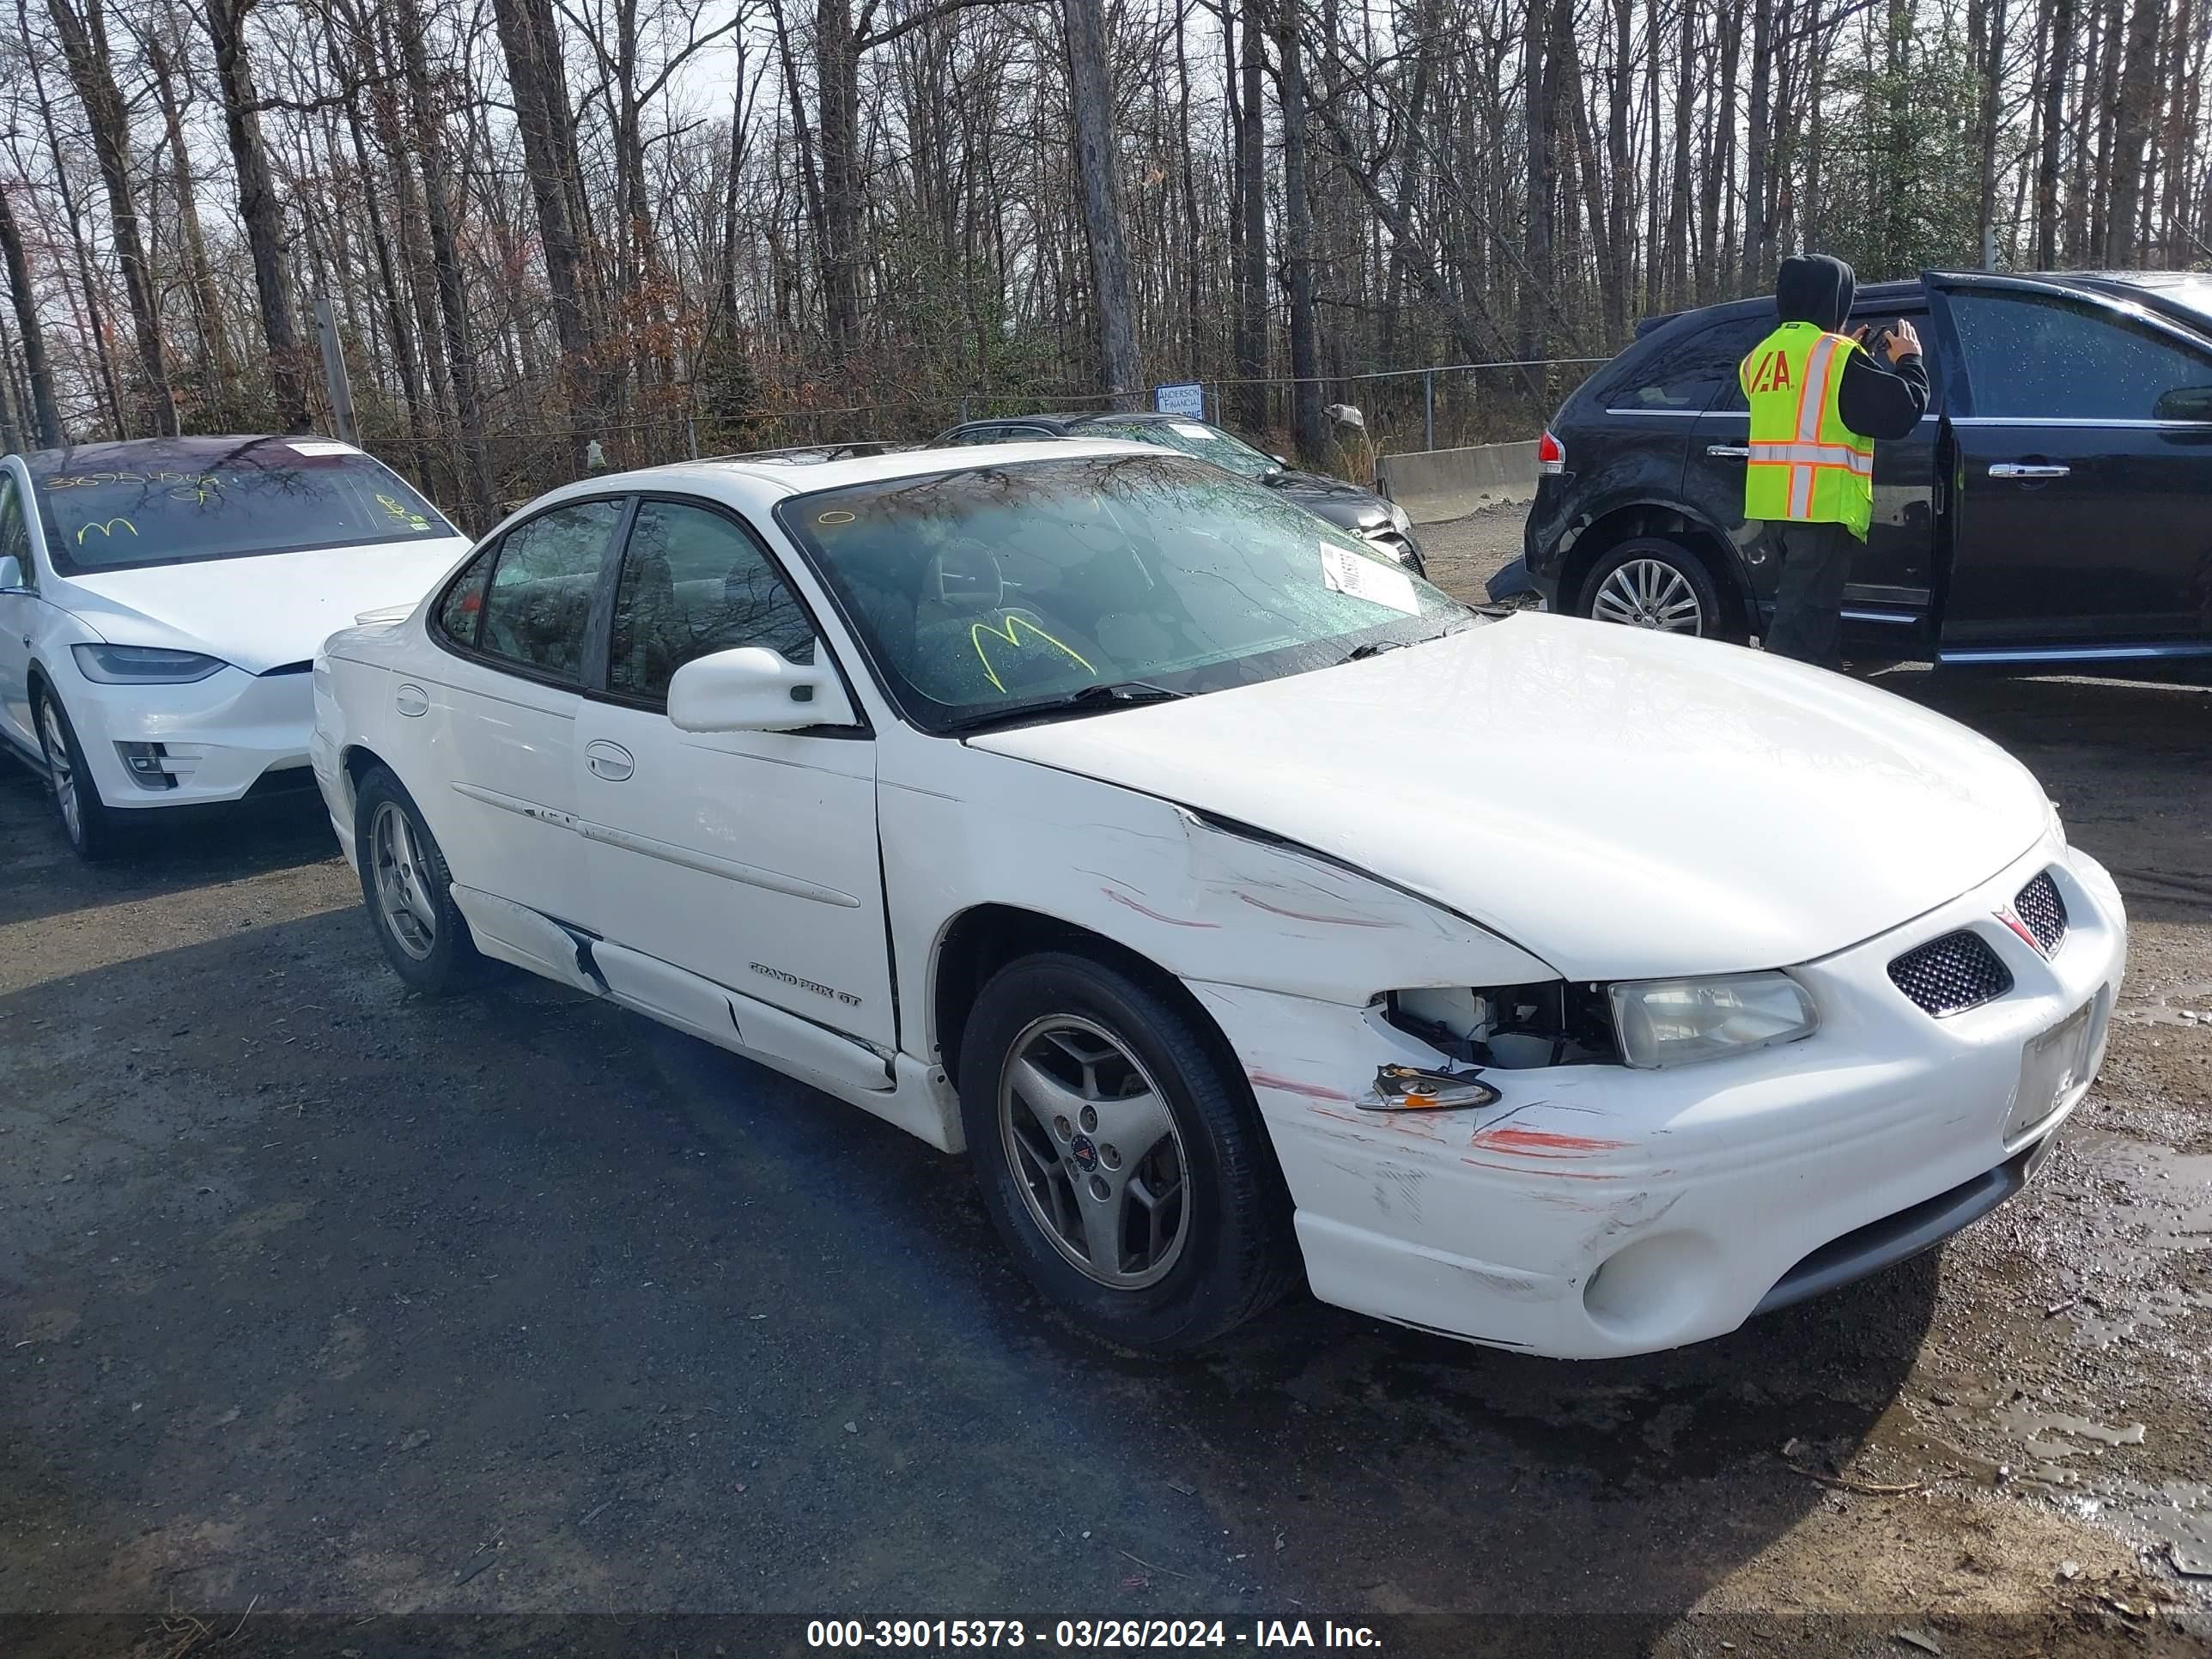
[169,501]
[1004,591]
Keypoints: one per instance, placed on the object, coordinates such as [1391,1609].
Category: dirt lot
[316,1298]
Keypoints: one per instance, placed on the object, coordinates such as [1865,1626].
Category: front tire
[1123,1163]
[1651,581]
[87,821]
[409,891]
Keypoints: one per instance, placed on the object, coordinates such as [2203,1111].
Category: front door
[748,859]
[2080,529]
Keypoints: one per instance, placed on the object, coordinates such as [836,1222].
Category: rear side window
[2037,357]
[1685,373]
[461,610]
[538,609]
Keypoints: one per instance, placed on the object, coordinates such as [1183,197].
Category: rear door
[494,765]
[2081,531]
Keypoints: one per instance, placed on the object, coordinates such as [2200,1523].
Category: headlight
[1400,520]
[1671,1022]
[143,664]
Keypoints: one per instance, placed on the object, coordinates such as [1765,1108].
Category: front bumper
[219,737]
[1597,1211]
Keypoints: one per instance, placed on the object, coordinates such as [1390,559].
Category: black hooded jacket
[1877,401]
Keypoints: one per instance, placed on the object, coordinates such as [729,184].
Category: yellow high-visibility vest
[1805,465]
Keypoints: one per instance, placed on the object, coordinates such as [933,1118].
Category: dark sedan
[1382,525]
[2050,508]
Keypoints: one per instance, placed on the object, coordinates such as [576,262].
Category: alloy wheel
[1650,593]
[1094,1150]
[58,769]
[402,888]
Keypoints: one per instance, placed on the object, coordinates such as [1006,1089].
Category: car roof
[136,454]
[785,478]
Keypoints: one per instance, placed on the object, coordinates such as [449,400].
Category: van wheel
[408,890]
[1123,1164]
[1648,581]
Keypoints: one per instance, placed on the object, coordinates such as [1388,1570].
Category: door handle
[412,701]
[1739,452]
[2027,470]
[610,761]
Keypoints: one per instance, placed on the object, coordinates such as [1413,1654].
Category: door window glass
[15,535]
[538,607]
[693,583]
[2037,357]
[1686,373]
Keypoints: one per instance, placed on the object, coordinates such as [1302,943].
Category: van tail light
[1550,456]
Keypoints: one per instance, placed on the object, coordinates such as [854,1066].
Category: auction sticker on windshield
[1344,571]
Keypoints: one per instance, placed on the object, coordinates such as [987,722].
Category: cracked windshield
[998,589]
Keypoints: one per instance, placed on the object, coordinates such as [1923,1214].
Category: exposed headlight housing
[1673,1021]
[143,664]
[1400,520]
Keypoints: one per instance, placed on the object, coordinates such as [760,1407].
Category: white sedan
[1241,904]
[161,602]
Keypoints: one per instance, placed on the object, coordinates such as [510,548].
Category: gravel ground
[316,1298]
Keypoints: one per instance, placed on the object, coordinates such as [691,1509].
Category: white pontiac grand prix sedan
[1239,903]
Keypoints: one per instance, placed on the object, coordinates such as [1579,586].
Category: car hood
[1620,803]
[260,612]
[1339,502]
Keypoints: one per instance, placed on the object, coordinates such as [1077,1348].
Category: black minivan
[2055,505]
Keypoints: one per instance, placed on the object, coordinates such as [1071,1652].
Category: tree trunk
[45,417]
[259,207]
[84,47]
[844,206]
[2056,70]
[1252,170]
[548,150]
[1309,425]
[2134,110]
[1090,97]
[1757,231]
[453,298]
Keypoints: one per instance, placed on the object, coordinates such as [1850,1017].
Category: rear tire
[408,890]
[1123,1164]
[88,822]
[1655,582]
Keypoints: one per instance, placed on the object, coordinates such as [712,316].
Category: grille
[1951,974]
[2038,905]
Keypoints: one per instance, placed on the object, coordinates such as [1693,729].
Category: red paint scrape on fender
[1540,1143]
[1291,1086]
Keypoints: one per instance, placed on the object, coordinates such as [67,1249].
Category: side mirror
[752,689]
[1280,460]
[2184,403]
[11,572]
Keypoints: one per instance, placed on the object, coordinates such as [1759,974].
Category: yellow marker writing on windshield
[1007,632]
[106,528]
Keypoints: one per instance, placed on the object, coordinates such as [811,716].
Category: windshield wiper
[1123,691]
[1376,647]
[1119,694]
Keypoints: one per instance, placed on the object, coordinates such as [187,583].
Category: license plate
[2054,1068]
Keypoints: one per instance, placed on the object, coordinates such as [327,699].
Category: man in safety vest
[1817,402]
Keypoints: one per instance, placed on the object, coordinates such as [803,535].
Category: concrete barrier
[1434,484]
